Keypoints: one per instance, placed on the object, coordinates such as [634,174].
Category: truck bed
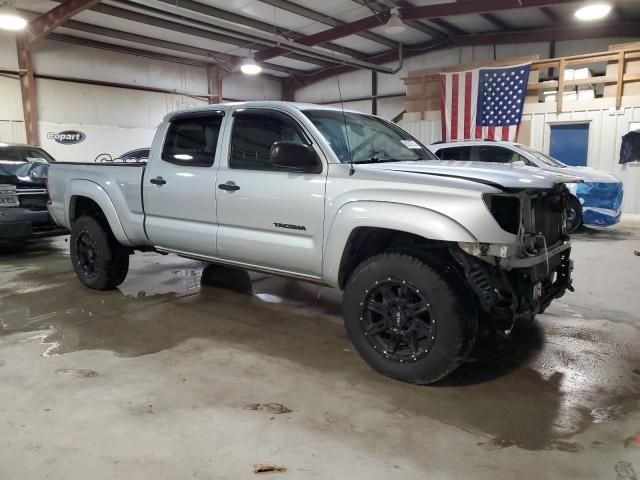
[121,182]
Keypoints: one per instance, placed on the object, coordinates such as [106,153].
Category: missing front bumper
[517,288]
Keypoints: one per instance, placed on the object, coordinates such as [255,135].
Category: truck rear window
[193,140]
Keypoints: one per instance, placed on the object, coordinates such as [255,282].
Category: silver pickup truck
[423,251]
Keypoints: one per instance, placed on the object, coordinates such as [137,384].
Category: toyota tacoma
[424,251]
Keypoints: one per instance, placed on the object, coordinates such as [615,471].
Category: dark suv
[23,194]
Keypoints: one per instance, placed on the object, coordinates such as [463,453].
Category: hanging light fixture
[250,67]
[394,25]
[593,11]
[10,19]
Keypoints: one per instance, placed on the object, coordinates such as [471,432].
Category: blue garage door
[569,143]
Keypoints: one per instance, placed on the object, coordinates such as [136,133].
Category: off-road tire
[450,308]
[111,258]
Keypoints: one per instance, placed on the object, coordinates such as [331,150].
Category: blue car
[596,203]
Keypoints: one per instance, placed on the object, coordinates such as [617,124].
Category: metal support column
[28,90]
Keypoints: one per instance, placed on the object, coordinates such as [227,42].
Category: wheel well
[365,242]
[81,206]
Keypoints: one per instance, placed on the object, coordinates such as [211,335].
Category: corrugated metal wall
[118,118]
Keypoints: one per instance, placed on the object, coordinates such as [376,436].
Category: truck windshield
[23,153]
[366,139]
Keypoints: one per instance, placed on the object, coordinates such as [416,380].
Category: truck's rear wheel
[100,262]
[406,320]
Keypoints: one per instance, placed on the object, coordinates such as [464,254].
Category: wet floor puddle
[532,391]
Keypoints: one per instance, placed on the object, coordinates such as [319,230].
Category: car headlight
[8,197]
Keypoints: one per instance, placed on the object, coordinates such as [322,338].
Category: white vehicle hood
[494,174]
[587,174]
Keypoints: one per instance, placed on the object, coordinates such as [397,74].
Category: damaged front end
[517,281]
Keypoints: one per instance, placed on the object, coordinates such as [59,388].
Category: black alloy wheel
[87,254]
[397,320]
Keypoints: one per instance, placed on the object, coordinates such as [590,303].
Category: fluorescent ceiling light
[10,19]
[593,11]
[395,24]
[250,67]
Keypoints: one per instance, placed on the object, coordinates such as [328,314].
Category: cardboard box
[586,94]
[551,97]
[582,73]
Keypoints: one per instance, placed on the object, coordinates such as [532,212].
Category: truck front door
[179,185]
[268,216]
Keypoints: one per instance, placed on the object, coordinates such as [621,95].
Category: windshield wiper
[379,160]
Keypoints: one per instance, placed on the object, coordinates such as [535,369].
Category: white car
[596,203]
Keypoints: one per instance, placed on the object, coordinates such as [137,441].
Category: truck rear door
[268,216]
[179,185]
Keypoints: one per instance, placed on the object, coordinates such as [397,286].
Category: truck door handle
[158,181]
[229,187]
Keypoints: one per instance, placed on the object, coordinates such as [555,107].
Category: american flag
[485,103]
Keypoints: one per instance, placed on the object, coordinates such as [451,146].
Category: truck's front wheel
[100,262]
[406,320]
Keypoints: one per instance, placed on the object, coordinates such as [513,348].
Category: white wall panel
[390,107]
[63,59]
[352,85]
[11,117]
[8,58]
[244,87]
[12,131]
[10,99]
[363,106]
[66,102]
[99,139]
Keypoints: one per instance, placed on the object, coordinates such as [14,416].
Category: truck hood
[499,175]
[24,173]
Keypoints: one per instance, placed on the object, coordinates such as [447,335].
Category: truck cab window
[192,141]
[253,135]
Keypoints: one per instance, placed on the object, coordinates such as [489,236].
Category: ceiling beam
[216,57]
[495,21]
[325,19]
[332,33]
[450,28]
[87,42]
[387,5]
[47,22]
[243,37]
[626,28]
[550,14]
[215,12]
[159,22]
[198,32]
[473,6]
[413,13]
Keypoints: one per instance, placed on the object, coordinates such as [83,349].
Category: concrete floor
[159,380]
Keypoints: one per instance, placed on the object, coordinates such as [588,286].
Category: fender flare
[93,191]
[420,221]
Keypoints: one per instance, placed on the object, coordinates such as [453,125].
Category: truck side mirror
[295,157]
